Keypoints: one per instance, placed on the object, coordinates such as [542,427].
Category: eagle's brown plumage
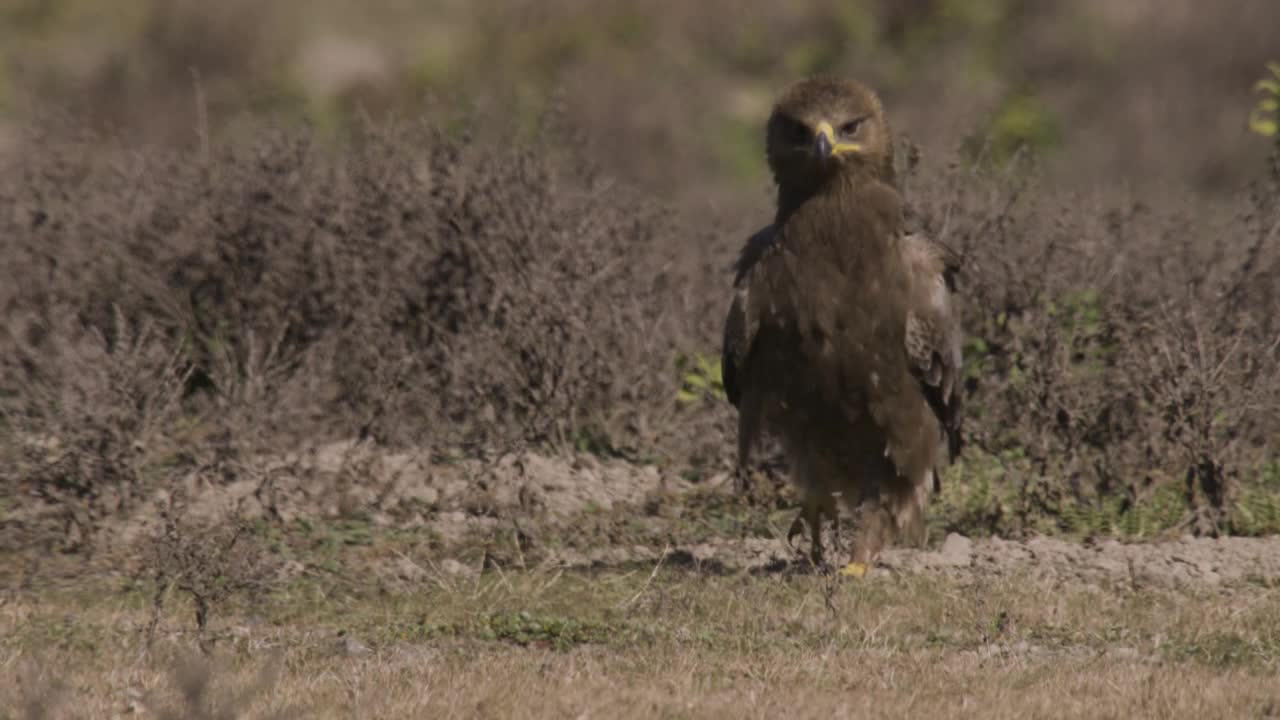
[841,338]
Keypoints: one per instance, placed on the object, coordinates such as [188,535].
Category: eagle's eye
[793,130]
[851,127]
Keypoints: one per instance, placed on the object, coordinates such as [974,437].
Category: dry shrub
[93,404]
[211,560]
[173,316]
[407,288]
[1116,351]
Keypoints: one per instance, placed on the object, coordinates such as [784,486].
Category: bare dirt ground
[585,513]
[465,503]
[580,587]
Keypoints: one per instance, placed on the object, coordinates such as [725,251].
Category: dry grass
[664,643]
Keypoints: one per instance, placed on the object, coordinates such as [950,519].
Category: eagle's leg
[813,508]
[797,527]
[835,526]
[748,426]
[810,515]
[873,523]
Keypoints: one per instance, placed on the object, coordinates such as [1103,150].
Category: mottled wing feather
[933,337]
[739,330]
[949,258]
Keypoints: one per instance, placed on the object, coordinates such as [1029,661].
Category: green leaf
[1267,85]
[1264,126]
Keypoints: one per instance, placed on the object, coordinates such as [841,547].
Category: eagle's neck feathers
[844,189]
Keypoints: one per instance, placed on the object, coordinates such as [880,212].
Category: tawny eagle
[841,339]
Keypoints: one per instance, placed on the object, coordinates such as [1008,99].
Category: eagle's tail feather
[907,508]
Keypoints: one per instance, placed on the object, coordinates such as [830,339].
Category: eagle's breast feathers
[860,304]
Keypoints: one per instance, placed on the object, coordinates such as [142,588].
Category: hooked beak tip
[822,147]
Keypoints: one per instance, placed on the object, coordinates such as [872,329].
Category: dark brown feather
[840,337]
[933,345]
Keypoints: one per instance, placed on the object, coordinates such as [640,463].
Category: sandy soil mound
[464,503]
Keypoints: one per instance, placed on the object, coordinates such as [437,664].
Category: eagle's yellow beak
[826,146]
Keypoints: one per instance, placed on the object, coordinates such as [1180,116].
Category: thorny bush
[1116,351]
[172,315]
[168,314]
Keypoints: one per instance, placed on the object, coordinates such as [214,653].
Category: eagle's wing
[739,328]
[933,336]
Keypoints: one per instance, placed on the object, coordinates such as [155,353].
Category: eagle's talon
[856,570]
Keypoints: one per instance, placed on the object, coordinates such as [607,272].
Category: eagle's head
[825,127]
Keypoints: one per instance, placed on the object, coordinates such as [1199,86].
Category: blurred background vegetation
[671,95]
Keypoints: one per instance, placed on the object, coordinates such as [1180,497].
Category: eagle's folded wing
[739,329]
[933,336]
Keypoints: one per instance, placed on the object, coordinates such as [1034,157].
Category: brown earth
[408,584]
[586,513]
